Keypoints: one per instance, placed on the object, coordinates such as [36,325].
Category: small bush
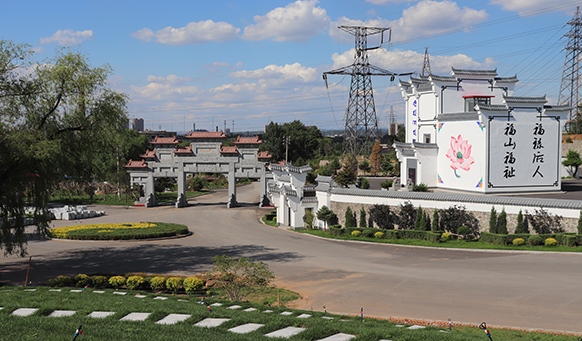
[336,230]
[174,283]
[421,187]
[158,283]
[63,281]
[134,282]
[386,184]
[551,242]
[82,280]
[535,240]
[356,233]
[570,240]
[368,233]
[192,284]
[117,281]
[518,241]
[464,231]
[445,236]
[100,281]
[379,235]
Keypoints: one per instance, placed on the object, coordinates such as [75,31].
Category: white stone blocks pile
[74,212]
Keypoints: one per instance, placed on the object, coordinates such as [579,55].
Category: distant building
[392,129]
[151,134]
[137,124]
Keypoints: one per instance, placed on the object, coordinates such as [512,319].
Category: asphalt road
[526,290]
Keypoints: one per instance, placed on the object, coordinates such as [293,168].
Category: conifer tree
[493,221]
[435,220]
[419,216]
[376,158]
[580,223]
[350,219]
[502,227]
[520,228]
[423,226]
[363,217]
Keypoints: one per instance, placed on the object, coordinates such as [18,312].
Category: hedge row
[160,230]
[568,239]
[434,237]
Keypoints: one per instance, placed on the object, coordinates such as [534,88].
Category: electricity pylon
[361,130]
[426,64]
[571,82]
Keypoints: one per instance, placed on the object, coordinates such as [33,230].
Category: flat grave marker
[246,328]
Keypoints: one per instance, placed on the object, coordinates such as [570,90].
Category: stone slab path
[24,312]
[234,307]
[286,332]
[211,322]
[246,328]
[250,309]
[101,314]
[62,313]
[135,317]
[338,337]
[174,318]
[303,316]
[287,313]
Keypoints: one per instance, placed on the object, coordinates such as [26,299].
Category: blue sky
[252,62]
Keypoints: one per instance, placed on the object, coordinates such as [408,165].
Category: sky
[244,64]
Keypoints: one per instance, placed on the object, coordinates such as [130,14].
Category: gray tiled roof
[402,145]
[506,79]
[464,198]
[458,116]
[492,107]
[443,78]
[492,73]
[425,145]
[309,200]
[290,168]
[528,100]
[559,108]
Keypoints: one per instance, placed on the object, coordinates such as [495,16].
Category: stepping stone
[1,308]
[234,307]
[211,322]
[287,313]
[24,311]
[267,311]
[100,314]
[98,291]
[62,313]
[180,300]
[246,328]
[173,319]
[399,325]
[29,290]
[327,317]
[119,293]
[416,327]
[160,298]
[140,296]
[303,316]
[76,290]
[250,309]
[286,332]
[338,337]
[216,304]
[55,290]
[135,317]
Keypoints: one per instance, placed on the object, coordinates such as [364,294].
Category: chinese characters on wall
[414,120]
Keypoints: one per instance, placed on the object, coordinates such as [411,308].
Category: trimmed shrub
[518,241]
[117,281]
[134,282]
[494,238]
[356,233]
[421,187]
[82,280]
[100,281]
[174,283]
[158,283]
[580,223]
[379,235]
[407,216]
[493,221]
[350,219]
[392,234]
[543,222]
[192,284]
[502,226]
[382,216]
[520,228]
[419,216]
[435,221]
[570,240]
[63,281]
[456,216]
[551,242]
[445,236]
[464,231]
[369,233]
[363,218]
[535,240]
[336,230]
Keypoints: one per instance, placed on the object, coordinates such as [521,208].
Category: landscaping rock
[234,307]
[250,309]
[287,313]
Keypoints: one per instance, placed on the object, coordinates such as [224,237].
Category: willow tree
[55,119]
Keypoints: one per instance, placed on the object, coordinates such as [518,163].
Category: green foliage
[406,216]
[435,221]
[235,276]
[502,226]
[336,230]
[386,184]
[196,183]
[550,242]
[569,139]
[493,221]
[106,232]
[63,281]
[535,240]
[311,176]
[349,173]
[456,216]
[174,283]
[364,166]
[445,236]
[419,217]
[158,283]
[350,219]
[580,223]
[382,216]
[518,241]
[421,187]
[573,161]
[117,281]
[543,222]
[497,239]
[82,280]
[520,228]
[304,141]
[363,183]
[308,219]
[570,240]
[376,158]
[464,231]
[379,235]
[363,218]
[134,282]
[193,284]
[356,233]
[326,215]
[369,232]
[100,281]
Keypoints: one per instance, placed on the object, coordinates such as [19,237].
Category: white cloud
[68,37]
[165,92]
[410,61]
[425,18]
[297,21]
[522,7]
[192,33]
[170,79]
[294,72]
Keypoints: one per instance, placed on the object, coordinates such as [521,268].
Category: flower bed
[122,231]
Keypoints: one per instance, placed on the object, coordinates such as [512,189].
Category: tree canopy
[57,120]
[304,142]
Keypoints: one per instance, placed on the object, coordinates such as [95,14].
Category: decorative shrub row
[133,282]
[568,239]
[434,237]
[119,231]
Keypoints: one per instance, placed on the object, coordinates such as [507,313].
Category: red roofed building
[248,140]
[136,164]
[229,150]
[264,156]
[205,135]
[165,140]
[184,150]
[149,155]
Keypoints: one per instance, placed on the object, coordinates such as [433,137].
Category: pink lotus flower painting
[460,154]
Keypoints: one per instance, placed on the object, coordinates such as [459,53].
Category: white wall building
[468,132]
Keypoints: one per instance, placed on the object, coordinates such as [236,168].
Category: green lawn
[41,327]
[112,199]
[461,244]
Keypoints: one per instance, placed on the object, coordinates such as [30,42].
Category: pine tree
[493,221]
[502,227]
[370,221]
[350,219]
[435,220]
[423,226]
[363,217]
[376,158]
[419,216]
[580,223]
[520,228]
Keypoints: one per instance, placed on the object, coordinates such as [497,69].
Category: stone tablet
[181,300]
[55,290]
[246,328]
[76,290]
[119,293]
[234,307]
[24,311]
[211,322]
[135,317]
[267,311]
[287,313]
[338,337]
[173,319]
[303,316]
[250,309]
[62,313]
[29,290]
[216,304]
[327,317]
[100,314]
[160,298]
[140,296]
[286,332]
[98,291]
[416,327]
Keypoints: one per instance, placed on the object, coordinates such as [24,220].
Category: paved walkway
[539,291]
